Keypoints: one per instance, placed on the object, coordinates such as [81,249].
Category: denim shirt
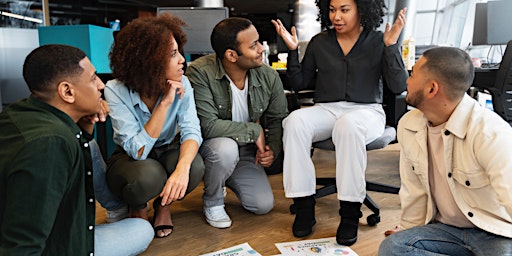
[266,99]
[479,169]
[129,114]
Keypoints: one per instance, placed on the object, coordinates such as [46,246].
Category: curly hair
[50,64]
[371,12]
[141,52]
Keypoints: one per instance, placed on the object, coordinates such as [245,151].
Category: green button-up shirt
[212,93]
[47,202]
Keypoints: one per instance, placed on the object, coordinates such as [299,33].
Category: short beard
[415,99]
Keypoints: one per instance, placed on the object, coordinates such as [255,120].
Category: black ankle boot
[350,213]
[304,216]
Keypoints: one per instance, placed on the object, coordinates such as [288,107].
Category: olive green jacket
[266,98]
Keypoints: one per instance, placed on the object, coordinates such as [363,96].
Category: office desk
[485,78]
[499,86]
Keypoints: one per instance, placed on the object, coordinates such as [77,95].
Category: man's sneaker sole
[219,224]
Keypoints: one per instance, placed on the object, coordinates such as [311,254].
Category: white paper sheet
[237,250]
[324,246]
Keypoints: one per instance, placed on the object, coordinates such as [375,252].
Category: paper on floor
[324,246]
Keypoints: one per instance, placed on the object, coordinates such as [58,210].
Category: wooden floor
[193,236]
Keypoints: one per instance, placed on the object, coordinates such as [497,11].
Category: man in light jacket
[455,166]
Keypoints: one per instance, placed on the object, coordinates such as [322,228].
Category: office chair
[499,84]
[395,107]
[328,185]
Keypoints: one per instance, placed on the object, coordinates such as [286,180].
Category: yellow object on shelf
[279,65]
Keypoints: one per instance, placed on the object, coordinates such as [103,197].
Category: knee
[143,229]
[391,245]
[385,246]
[261,205]
[142,233]
[150,177]
[294,121]
[220,150]
[344,126]
[143,185]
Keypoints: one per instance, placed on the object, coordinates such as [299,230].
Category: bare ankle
[141,213]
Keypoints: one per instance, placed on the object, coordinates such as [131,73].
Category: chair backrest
[502,91]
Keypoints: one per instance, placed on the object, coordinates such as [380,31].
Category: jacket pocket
[471,180]
[222,106]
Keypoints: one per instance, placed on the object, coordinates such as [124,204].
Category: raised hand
[291,40]
[391,33]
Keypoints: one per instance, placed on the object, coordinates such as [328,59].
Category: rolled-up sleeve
[129,132]
[188,121]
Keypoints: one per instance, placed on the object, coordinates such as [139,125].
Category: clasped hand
[264,155]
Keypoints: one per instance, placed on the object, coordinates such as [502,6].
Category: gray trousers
[233,166]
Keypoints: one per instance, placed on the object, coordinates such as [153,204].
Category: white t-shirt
[240,109]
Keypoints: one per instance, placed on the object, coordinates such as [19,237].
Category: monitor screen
[498,22]
[480,25]
[492,26]
[200,22]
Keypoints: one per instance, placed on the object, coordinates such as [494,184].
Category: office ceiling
[99,12]
[238,6]
[95,7]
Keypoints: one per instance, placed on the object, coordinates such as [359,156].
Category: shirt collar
[55,111]
[457,124]
[459,120]
[220,72]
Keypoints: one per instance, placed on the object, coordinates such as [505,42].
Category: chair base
[328,186]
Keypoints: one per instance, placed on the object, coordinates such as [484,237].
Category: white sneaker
[217,217]
[117,214]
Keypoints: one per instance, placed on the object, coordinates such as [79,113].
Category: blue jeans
[102,193]
[125,237]
[233,166]
[441,239]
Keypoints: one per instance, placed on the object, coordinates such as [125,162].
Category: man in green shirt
[47,204]
[241,104]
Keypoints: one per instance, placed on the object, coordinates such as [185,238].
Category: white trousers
[351,126]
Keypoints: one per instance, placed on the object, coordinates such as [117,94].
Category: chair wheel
[373,219]
[292,209]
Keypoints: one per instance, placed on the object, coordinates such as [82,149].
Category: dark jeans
[137,181]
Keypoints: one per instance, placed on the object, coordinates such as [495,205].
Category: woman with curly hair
[348,61]
[150,101]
